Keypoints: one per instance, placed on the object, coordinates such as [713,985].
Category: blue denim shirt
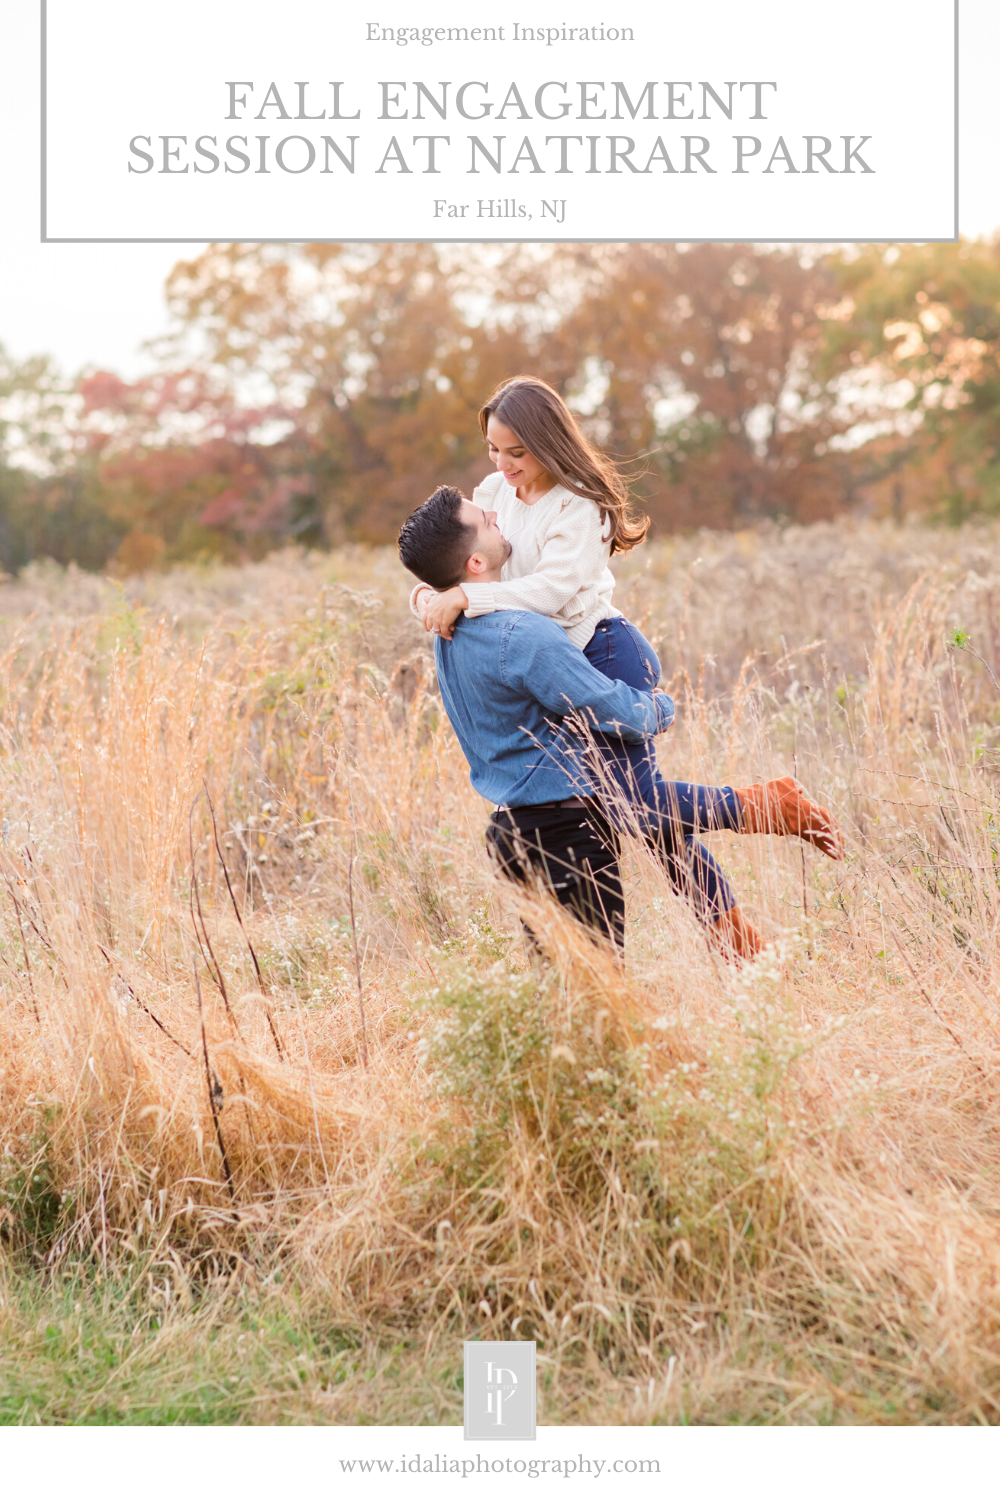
[507,679]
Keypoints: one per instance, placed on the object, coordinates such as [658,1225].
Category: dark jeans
[668,814]
[573,851]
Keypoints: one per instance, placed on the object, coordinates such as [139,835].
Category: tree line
[317,393]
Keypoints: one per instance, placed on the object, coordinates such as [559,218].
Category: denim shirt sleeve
[537,658]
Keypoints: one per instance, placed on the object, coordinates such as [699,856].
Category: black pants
[572,852]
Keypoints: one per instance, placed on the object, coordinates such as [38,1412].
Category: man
[508,682]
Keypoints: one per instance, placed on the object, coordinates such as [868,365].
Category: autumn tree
[186,468]
[381,355]
[926,320]
[707,359]
[701,361]
[319,392]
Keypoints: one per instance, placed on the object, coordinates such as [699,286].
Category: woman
[565,508]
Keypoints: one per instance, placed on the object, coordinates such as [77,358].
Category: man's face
[490,543]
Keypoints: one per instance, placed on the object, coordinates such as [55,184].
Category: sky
[95,305]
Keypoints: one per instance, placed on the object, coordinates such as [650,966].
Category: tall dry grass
[710,1194]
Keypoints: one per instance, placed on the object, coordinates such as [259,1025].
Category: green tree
[50,494]
[927,318]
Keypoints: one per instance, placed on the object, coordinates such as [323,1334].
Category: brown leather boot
[732,933]
[783,807]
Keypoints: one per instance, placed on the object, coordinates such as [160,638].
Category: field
[711,1195]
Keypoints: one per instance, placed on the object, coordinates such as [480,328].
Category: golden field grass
[710,1195]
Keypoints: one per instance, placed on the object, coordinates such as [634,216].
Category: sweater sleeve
[574,553]
[413,598]
[484,494]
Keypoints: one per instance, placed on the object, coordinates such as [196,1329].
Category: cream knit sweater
[558,564]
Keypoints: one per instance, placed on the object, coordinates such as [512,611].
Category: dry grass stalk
[766,1194]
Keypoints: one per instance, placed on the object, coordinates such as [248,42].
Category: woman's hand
[442,610]
[424,596]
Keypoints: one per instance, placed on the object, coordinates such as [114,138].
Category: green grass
[86,1349]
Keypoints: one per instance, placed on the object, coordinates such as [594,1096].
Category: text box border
[47,239]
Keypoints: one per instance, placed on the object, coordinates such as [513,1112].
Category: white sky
[96,304]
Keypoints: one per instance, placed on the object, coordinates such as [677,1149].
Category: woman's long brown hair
[547,428]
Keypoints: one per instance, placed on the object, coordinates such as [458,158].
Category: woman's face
[511,456]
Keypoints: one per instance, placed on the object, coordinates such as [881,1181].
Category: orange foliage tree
[186,468]
[319,392]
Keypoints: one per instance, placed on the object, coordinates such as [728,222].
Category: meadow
[286,1112]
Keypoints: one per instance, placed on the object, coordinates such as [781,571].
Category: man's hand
[442,610]
[659,692]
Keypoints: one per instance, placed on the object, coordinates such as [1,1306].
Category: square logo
[499,1391]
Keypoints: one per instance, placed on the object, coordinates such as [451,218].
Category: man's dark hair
[433,542]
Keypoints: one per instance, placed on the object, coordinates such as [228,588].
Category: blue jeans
[669,813]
